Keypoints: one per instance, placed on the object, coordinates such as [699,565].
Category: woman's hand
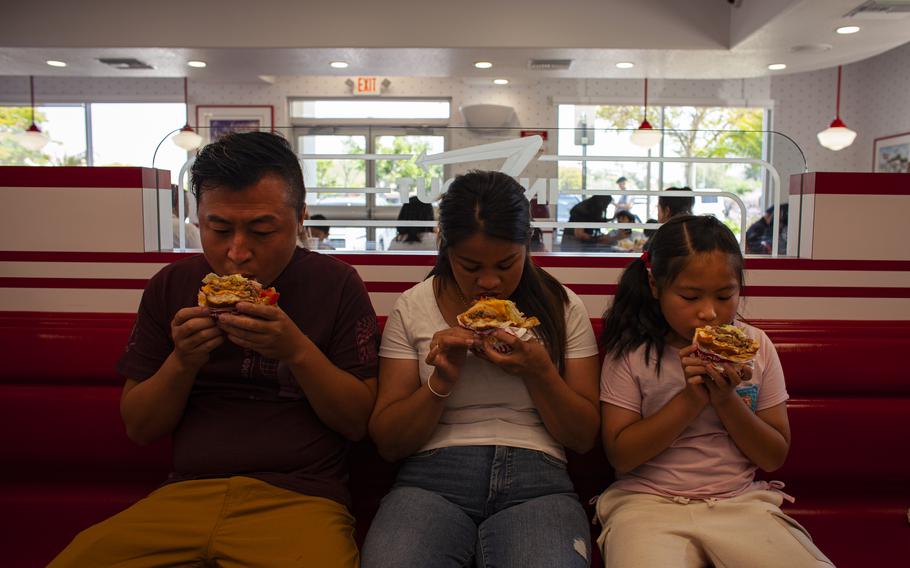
[527,359]
[448,351]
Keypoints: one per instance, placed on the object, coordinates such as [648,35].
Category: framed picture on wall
[892,154]
[215,121]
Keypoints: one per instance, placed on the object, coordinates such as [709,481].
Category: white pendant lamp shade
[646,136]
[32,138]
[837,136]
[187,138]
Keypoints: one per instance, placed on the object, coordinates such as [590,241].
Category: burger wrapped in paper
[489,314]
[222,293]
[721,344]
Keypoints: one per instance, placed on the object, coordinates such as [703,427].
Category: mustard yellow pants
[234,522]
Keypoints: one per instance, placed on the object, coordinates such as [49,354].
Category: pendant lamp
[187,137]
[837,136]
[32,138]
[646,136]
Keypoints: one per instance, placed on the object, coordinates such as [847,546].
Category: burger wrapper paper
[522,333]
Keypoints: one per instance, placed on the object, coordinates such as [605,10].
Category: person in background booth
[760,234]
[593,210]
[483,432]
[314,237]
[684,436]
[414,238]
[260,402]
[671,205]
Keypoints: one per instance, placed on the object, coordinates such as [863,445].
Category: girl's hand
[722,385]
[528,359]
[448,351]
[695,371]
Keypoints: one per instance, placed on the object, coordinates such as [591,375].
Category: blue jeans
[487,506]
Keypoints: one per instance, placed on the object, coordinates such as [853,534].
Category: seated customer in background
[670,206]
[484,482]
[414,238]
[593,210]
[190,231]
[314,237]
[760,234]
[260,402]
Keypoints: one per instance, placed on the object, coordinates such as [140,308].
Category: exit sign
[366,86]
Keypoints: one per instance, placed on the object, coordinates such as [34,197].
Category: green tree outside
[12,121]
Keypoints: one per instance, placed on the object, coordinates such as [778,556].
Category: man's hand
[195,335]
[266,330]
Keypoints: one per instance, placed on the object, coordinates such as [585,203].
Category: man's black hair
[239,160]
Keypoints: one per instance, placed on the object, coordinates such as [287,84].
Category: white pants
[641,530]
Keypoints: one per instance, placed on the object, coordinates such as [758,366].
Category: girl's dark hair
[494,204]
[414,210]
[240,159]
[635,318]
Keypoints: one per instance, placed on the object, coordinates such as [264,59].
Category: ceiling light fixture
[500,81]
[646,136]
[846,30]
[338,64]
[32,138]
[483,64]
[197,64]
[56,63]
[837,136]
[777,66]
[187,138]
[625,65]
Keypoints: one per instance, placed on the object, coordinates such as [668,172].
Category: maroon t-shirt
[246,414]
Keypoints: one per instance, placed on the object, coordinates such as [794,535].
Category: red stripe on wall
[398,287]
[391,260]
[68,177]
[854,183]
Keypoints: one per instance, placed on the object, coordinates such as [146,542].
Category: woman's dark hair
[628,215]
[592,207]
[240,159]
[677,205]
[414,210]
[494,204]
[635,318]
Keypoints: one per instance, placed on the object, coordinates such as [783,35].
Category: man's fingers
[261,311]
[186,314]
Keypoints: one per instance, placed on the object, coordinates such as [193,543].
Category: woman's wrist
[438,387]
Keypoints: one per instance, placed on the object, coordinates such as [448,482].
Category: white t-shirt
[488,406]
[703,461]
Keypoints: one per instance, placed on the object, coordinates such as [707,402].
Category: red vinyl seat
[66,463]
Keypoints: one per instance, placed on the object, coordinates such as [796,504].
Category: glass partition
[357,178]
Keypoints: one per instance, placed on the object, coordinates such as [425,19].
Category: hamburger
[487,314]
[222,293]
[725,344]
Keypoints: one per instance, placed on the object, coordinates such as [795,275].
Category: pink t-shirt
[703,461]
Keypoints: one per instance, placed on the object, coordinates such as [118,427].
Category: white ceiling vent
[549,64]
[880,10]
[125,63]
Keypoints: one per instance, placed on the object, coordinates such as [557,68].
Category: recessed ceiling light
[483,64]
[625,65]
[197,64]
[55,63]
[501,81]
[844,30]
[777,66]
[339,64]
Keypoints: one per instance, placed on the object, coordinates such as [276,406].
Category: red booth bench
[66,463]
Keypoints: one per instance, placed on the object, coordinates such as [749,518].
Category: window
[689,132]
[64,125]
[371,109]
